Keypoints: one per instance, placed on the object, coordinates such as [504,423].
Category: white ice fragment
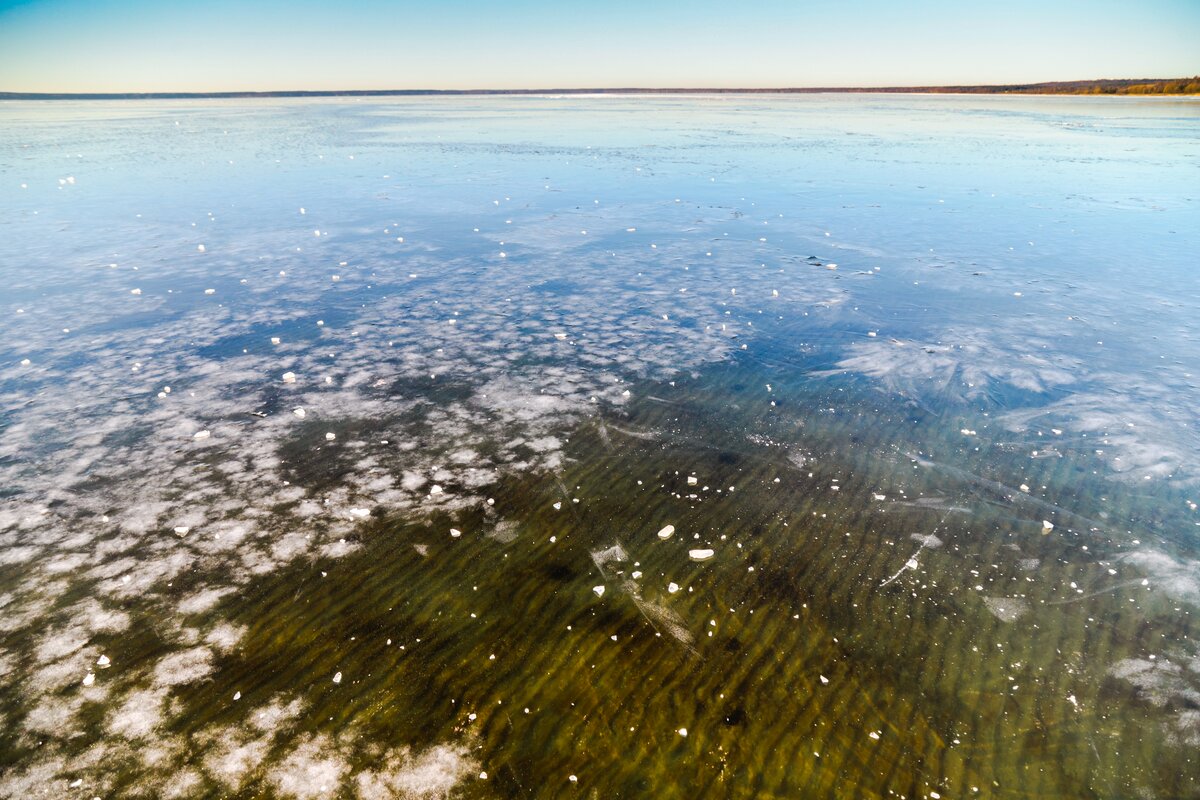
[824,680]
[702,554]
[692,481]
[455,533]
[874,735]
[558,505]
[599,590]
[289,377]
[573,779]
[880,497]
[359,513]
[302,211]
[200,248]
[560,336]
[89,679]
[1047,526]
[483,776]
[672,588]
[682,732]
[912,563]
[210,291]
[182,530]
[666,532]
[103,661]
[201,435]
[25,362]
[635,574]
[299,412]
[135,291]
[330,436]
[274,340]
[1024,488]
[1071,699]
[435,489]
[337,678]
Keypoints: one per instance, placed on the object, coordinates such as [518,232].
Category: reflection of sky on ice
[450,287]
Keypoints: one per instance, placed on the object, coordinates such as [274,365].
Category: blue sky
[163,45]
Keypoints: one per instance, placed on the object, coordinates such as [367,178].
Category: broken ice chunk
[200,248]
[692,480]
[89,679]
[201,435]
[1047,526]
[330,436]
[103,661]
[299,412]
[274,340]
[455,533]
[337,678]
[599,590]
[701,554]
[182,530]
[289,377]
[666,532]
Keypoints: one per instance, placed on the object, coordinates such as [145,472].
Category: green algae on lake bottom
[792,668]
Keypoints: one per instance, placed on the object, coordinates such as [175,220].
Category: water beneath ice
[736,446]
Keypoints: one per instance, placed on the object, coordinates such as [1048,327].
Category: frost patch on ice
[313,769]
[183,667]
[429,775]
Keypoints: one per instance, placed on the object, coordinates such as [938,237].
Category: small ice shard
[636,574]
[302,211]
[666,532]
[210,291]
[237,695]
[483,776]
[1024,488]
[25,362]
[672,588]
[701,554]
[1071,699]
[135,291]
[682,732]
[880,497]
[289,377]
[200,248]
[874,735]
[299,412]
[912,563]
[337,678]
[599,590]
[89,679]
[1047,526]
[558,505]
[182,530]
[560,336]
[359,513]
[692,480]
[330,436]
[967,432]
[455,533]
[435,489]
[103,661]
[824,680]
[201,435]
[274,340]
[573,779]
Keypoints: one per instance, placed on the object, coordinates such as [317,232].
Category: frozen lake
[733,446]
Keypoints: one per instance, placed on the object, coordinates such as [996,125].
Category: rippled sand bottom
[876,620]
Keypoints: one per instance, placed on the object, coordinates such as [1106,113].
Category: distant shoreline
[1125,87]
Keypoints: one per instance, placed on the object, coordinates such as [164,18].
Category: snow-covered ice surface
[482,447]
